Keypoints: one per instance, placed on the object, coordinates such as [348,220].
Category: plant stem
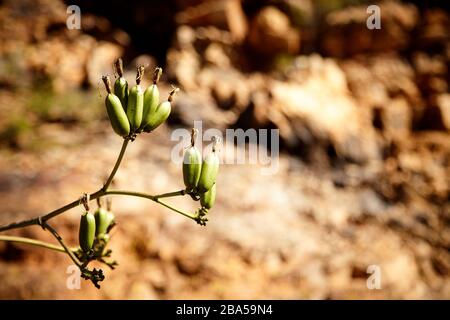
[61,241]
[42,220]
[153,198]
[186,214]
[117,164]
[170,194]
[33,242]
[50,215]
[98,194]
[73,204]
[130,193]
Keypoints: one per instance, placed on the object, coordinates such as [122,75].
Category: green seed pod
[103,218]
[210,169]
[105,237]
[135,104]
[121,84]
[121,91]
[151,99]
[192,164]
[208,198]
[116,114]
[161,113]
[87,231]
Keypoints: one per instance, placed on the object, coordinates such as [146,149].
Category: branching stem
[33,242]
[155,198]
[116,165]
[75,260]
[42,220]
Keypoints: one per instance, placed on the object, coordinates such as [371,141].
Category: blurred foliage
[40,106]
[282,62]
[14,131]
[12,71]
[28,101]
[70,107]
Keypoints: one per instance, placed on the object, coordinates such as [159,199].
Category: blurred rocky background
[364,120]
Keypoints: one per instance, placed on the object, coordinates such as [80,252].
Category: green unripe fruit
[135,105]
[103,218]
[121,84]
[86,234]
[116,114]
[208,198]
[210,169]
[161,113]
[105,237]
[121,91]
[151,102]
[192,163]
[151,99]
[192,167]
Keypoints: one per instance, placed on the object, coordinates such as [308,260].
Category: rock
[396,118]
[62,61]
[215,54]
[346,32]
[430,73]
[376,80]
[229,88]
[101,60]
[26,21]
[198,106]
[40,37]
[271,26]
[184,37]
[322,105]
[429,65]
[443,103]
[224,14]
[184,65]
[224,95]
[139,290]
[434,29]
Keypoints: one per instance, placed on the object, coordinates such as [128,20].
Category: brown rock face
[346,33]
[271,33]
[361,182]
[223,14]
[36,33]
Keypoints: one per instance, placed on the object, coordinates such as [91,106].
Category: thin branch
[33,242]
[50,215]
[171,194]
[153,198]
[45,225]
[186,214]
[130,193]
[93,196]
[73,204]
[116,165]
[20,224]
[41,220]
